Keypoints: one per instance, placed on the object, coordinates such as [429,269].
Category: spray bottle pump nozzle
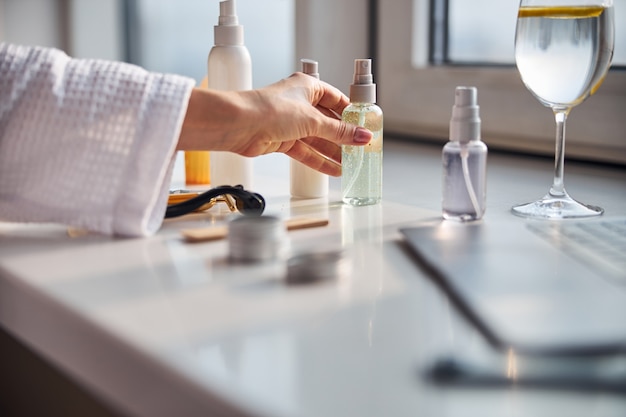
[310,67]
[465,96]
[363,89]
[228,31]
[363,71]
[228,14]
[465,121]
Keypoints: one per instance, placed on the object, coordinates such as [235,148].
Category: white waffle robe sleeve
[86,143]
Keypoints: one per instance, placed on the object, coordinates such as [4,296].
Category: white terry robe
[86,143]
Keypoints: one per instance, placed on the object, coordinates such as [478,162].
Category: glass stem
[558,188]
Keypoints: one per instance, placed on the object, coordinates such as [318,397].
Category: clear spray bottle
[307,182]
[229,68]
[362,166]
[464,161]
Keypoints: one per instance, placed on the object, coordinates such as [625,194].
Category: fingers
[331,102]
[310,134]
[331,98]
[328,149]
[328,112]
[307,155]
[343,133]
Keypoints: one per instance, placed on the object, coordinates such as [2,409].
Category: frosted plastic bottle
[307,182]
[229,68]
[362,166]
[464,161]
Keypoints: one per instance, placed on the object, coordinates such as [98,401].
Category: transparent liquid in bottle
[457,201]
[362,179]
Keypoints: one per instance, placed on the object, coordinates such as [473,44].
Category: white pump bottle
[229,68]
[307,182]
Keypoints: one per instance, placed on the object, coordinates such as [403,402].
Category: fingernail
[362,135]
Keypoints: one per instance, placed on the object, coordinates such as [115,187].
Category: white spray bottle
[229,68]
[307,182]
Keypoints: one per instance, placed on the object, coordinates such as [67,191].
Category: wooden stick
[205,234]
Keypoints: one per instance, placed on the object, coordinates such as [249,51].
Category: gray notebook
[537,286]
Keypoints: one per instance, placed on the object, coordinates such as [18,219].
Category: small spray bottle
[229,68]
[362,166]
[464,161]
[307,182]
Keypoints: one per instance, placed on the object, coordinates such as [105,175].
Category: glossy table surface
[159,326]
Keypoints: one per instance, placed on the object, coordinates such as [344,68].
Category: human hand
[297,116]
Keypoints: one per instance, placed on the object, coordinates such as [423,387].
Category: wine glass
[563,50]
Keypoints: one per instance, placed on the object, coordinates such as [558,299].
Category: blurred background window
[176,36]
[173,36]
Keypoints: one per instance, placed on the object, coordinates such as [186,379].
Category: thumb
[344,133]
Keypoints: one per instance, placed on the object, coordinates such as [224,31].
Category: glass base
[555,208]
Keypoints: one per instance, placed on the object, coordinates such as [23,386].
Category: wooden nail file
[205,234]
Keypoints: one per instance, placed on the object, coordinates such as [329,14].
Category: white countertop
[159,327]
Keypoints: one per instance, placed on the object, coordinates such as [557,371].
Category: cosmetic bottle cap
[310,67]
[228,30]
[465,121]
[363,89]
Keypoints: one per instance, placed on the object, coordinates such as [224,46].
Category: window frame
[417,96]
